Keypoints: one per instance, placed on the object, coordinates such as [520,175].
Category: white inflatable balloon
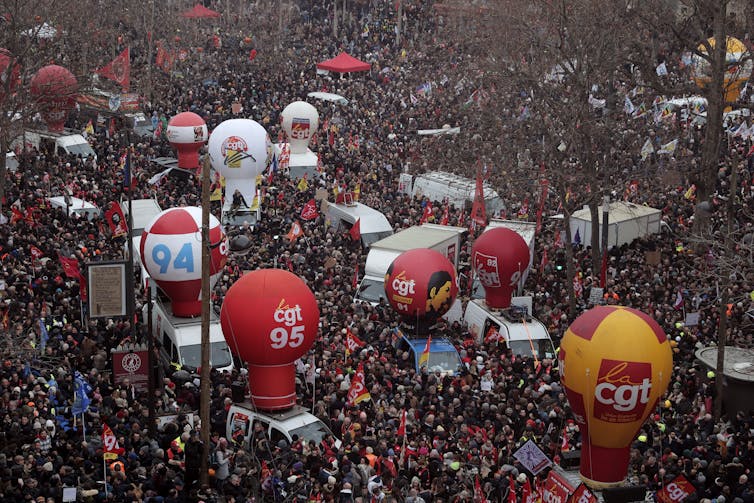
[171,252]
[240,149]
[300,122]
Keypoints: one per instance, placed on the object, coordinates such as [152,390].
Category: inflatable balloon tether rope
[531,343]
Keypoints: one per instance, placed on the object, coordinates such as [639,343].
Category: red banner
[119,69]
[309,211]
[557,489]
[676,491]
[116,220]
[132,365]
[583,495]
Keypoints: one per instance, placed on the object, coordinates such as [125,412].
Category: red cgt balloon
[270,319]
[500,257]
[55,89]
[421,285]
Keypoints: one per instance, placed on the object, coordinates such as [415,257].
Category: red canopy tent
[344,63]
[199,11]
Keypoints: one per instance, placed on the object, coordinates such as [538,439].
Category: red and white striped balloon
[171,253]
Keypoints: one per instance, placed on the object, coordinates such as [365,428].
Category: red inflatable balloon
[5,61]
[55,89]
[187,132]
[499,257]
[421,285]
[270,319]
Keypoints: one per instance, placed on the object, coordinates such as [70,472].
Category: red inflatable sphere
[55,89]
[5,61]
[270,319]
[499,257]
[187,132]
[421,285]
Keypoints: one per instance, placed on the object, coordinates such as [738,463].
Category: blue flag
[577,238]
[43,335]
[81,389]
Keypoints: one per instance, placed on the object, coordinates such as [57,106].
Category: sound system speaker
[570,459]
[625,494]
[238,391]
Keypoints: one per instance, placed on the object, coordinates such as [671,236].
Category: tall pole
[205,387]
[151,287]
[131,288]
[399,25]
[605,226]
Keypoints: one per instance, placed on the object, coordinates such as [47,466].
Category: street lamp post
[605,226]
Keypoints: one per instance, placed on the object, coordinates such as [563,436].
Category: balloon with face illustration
[615,364]
[270,319]
[421,286]
[171,252]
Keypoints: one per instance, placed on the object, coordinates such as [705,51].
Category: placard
[107,289]
[532,457]
[595,295]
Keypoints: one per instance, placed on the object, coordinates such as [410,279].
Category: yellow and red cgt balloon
[738,67]
[615,365]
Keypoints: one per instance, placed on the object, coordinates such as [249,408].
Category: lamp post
[605,226]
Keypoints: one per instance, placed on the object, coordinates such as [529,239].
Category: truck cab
[443,355]
[246,424]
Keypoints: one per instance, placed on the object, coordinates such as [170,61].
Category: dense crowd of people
[460,435]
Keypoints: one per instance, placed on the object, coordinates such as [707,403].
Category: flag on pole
[479,496]
[355,231]
[302,184]
[125,165]
[401,431]
[424,357]
[577,238]
[647,149]
[668,148]
[352,342]
[273,169]
[70,267]
[689,194]
[295,232]
[116,220]
[661,69]
[358,392]
[89,128]
[110,447]
[511,489]
[44,336]
[309,211]
[118,70]
[628,106]
[427,213]
[81,389]
[36,253]
[678,304]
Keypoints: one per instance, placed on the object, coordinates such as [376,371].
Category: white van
[525,335]
[373,225]
[276,426]
[73,205]
[180,339]
[65,143]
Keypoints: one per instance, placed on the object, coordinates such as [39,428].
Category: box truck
[442,238]
[455,189]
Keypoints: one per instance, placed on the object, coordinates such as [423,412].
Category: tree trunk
[595,214]
[706,181]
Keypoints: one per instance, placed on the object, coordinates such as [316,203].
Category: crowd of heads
[460,430]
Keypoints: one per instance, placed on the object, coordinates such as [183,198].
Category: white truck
[514,326]
[455,189]
[245,422]
[373,225]
[66,143]
[442,238]
[180,339]
[526,230]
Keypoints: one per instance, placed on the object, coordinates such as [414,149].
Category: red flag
[29,217]
[527,496]
[564,444]
[544,261]
[676,491]
[511,489]
[445,216]
[309,211]
[358,392]
[116,220]
[355,231]
[119,69]
[110,447]
[583,495]
[295,232]
[16,215]
[70,267]
[478,209]
[36,253]
[352,342]
[402,427]
[426,213]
